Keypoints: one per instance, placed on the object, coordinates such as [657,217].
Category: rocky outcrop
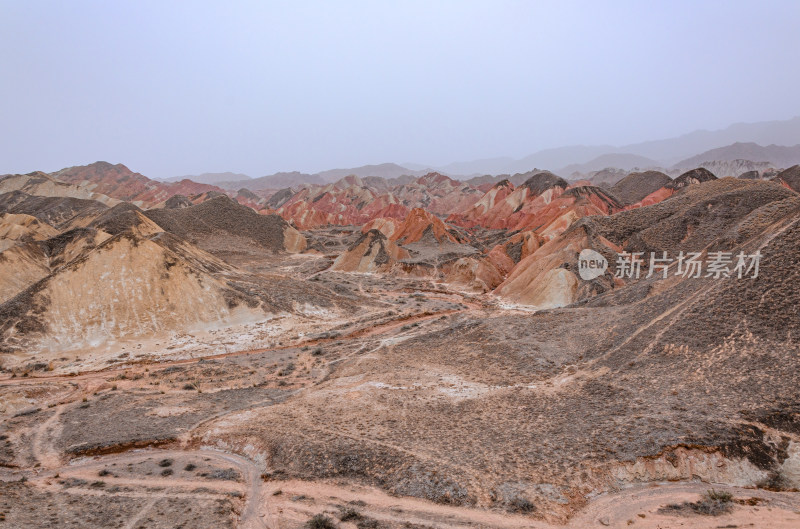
[715,214]
[542,181]
[16,228]
[41,184]
[544,203]
[121,183]
[695,176]
[387,226]
[548,278]
[636,186]
[223,225]
[372,252]
[790,178]
[128,287]
[419,225]
[59,212]
[352,201]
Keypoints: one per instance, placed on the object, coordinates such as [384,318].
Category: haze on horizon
[174,88]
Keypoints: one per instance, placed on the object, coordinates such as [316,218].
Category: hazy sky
[171,88]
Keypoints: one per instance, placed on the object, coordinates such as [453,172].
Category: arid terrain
[416,352]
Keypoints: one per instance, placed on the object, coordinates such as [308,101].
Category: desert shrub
[712,503]
[522,505]
[721,496]
[320,521]
[226,474]
[348,514]
[286,370]
[368,523]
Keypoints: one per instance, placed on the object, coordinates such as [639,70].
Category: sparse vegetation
[713,503]
[349,514]
[368,523]
[522,505]
[287,370]
[320,521]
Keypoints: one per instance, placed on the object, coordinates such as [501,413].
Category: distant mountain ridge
[384,170]
[737,168]
[273,181]
[785,132]
[210,178]
[665,152]
[617,160]
[777,155]
[387,171]
[741,141]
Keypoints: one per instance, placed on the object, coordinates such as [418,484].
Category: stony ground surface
[436,409]
[419,405]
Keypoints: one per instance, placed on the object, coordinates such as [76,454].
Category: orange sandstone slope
[345,202]
[506,255]
[710,215]
[491,207]
[544,203]
[353,201]
[372,252]
[386,225]
[571,205]
[789,178]
[437,193]
[498,208]
[420,223]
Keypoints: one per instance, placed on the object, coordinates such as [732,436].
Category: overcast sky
[172,88]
